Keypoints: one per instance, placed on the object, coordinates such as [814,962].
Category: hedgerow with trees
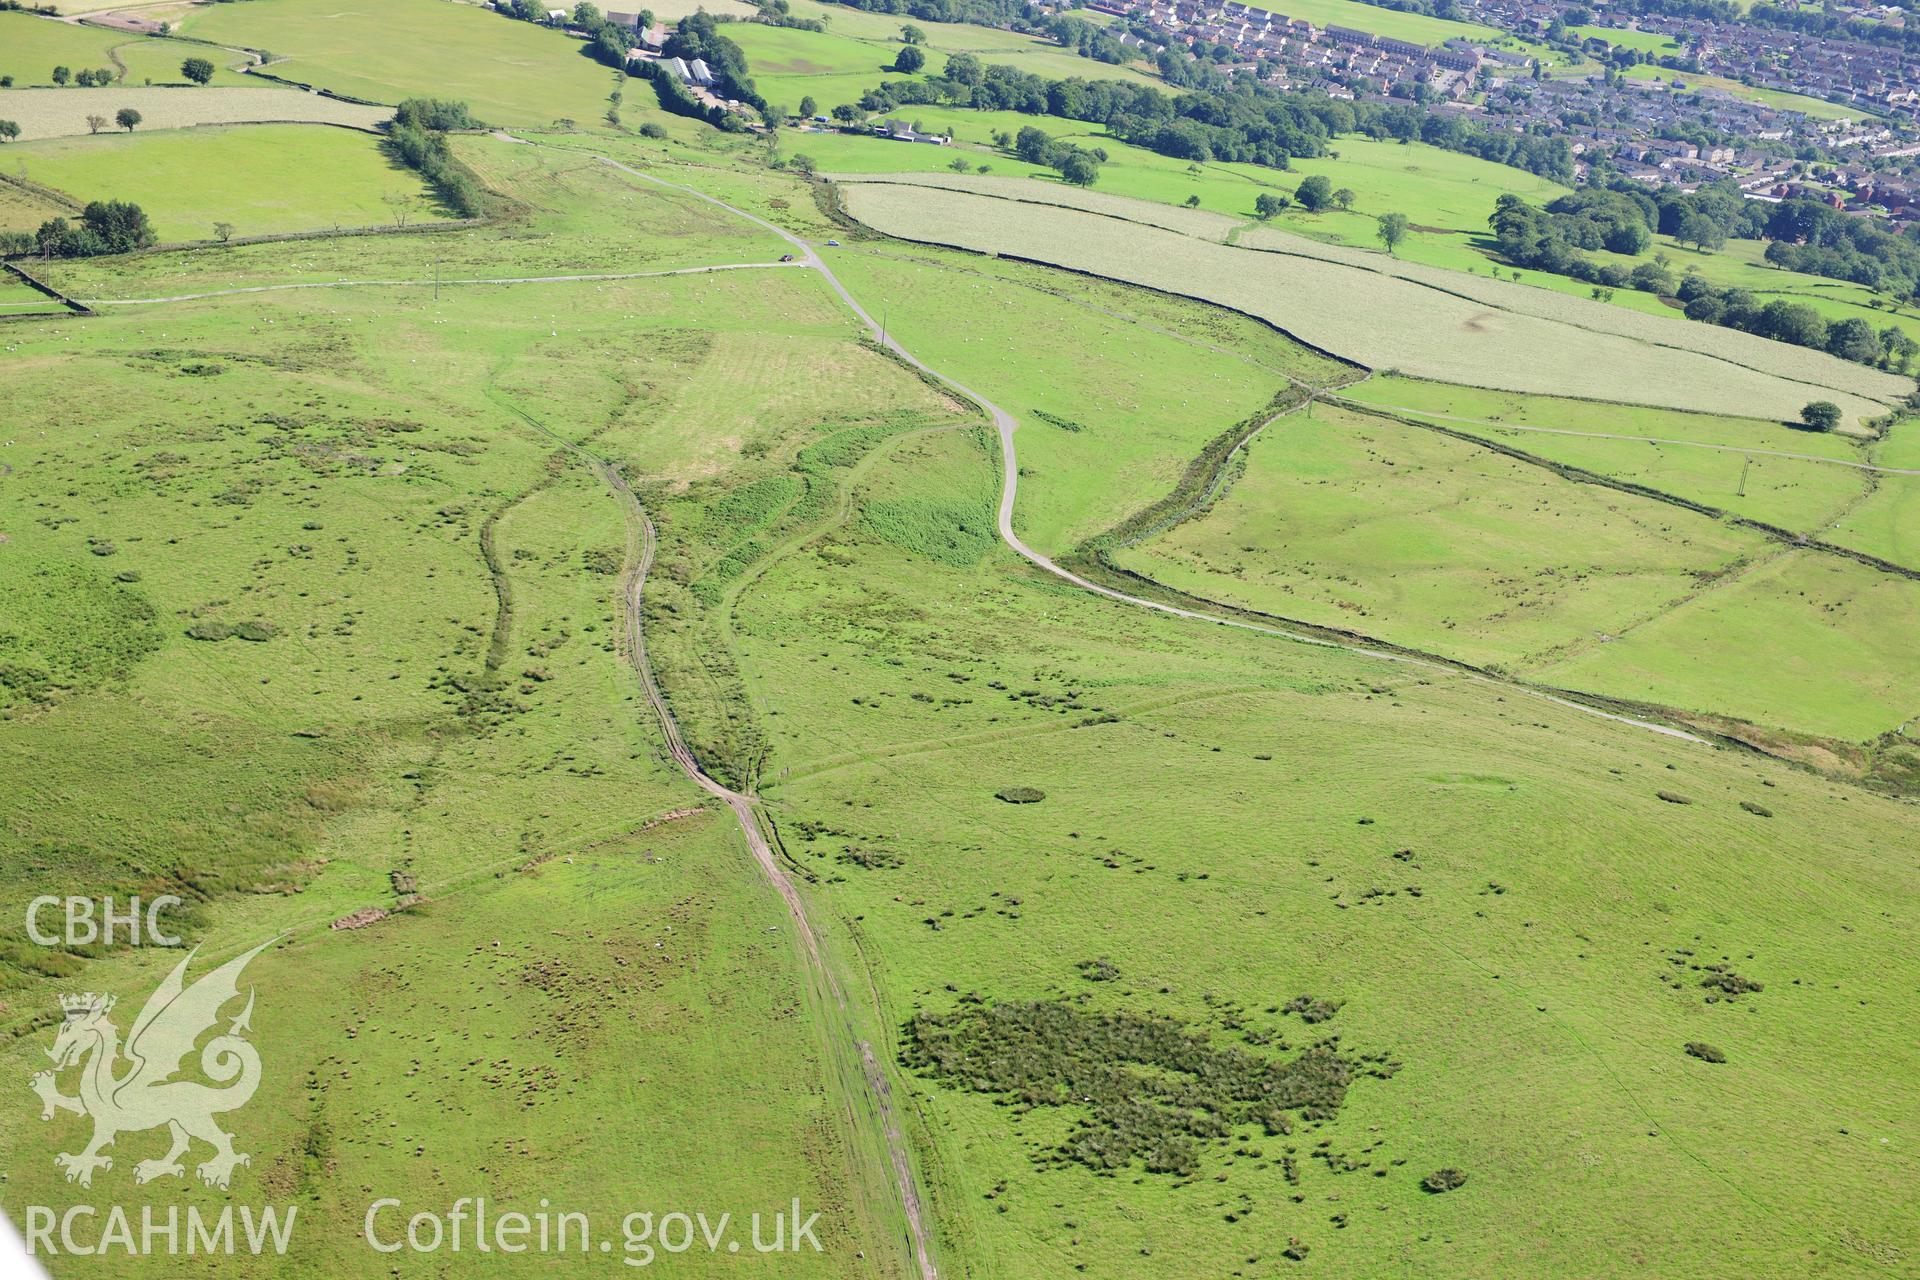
[1805,234]
[1248,123]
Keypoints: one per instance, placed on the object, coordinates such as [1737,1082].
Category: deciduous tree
[1821,415]
[1393,229]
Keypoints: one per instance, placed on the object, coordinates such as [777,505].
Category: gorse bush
[1154,1090]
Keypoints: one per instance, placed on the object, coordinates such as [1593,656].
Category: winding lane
[1005,424]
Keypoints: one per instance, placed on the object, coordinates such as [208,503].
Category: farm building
[901,131]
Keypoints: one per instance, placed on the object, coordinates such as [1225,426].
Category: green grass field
[1229,822]
[1422,540]
[512,73]
[1174,949]
[1818,108]
[32,46]
[259,178]
[1839,630]
[1655,42]
[1792,478]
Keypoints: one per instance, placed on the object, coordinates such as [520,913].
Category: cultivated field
[1388,322]
[62,113]
[260,179]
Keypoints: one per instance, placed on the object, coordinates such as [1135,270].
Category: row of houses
[1284,50]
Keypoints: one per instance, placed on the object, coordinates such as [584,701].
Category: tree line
[105,226]
[1549,239]
[1804,234]
[1247,123]
[417,137]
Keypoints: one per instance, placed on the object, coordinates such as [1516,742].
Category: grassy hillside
[1229,823]
[32,46]
[1134,945]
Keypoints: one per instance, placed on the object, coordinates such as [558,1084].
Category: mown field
[259,179]
[1398,322]
[62,113]
[23,208]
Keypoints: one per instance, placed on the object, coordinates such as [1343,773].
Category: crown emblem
[81,1005]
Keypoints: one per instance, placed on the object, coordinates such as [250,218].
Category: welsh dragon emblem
[135,1089]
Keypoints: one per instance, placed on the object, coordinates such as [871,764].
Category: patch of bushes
[869,859]
[1441,1181]
[64,628]
[1705,1052]
[602,560]
[943,532]
[255,630]
[1312,1010]
[1021,795]
[1055,420]
[1725,981]
[1153,1091]
[1099,970]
